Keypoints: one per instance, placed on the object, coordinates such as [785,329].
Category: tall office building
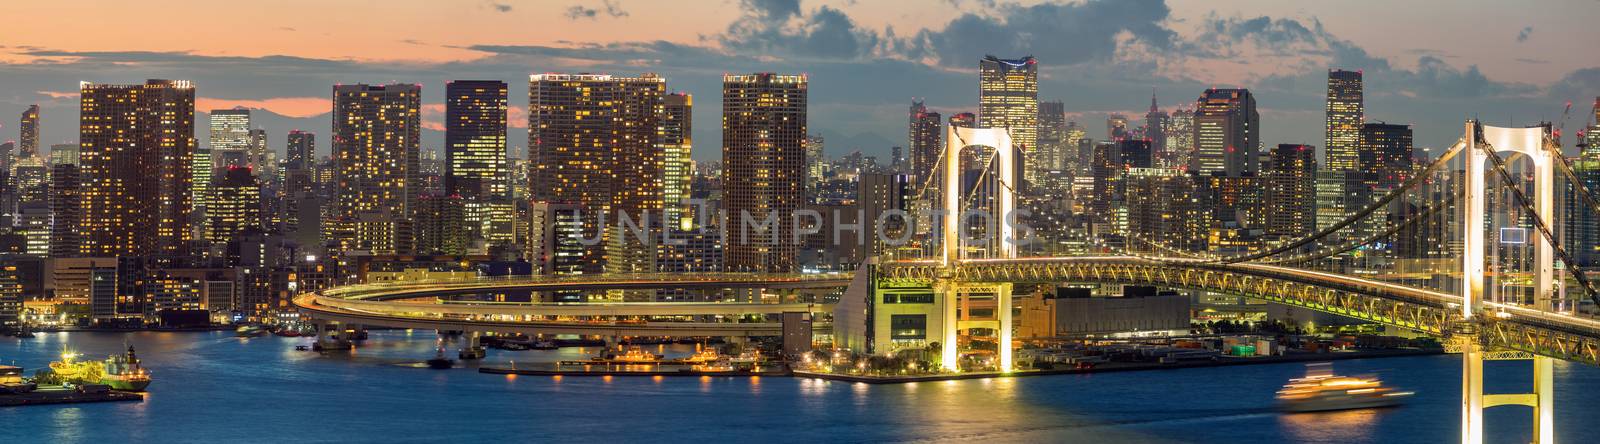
[376,131]
[1008,97]
[30,133]
[1345,114]
[816,167]
[475,138]
[1226,133]
[1155,129]
[261,156]
[1582,227]
[763,162]
[302,150]
[926,140]
[136,144]
[1179,130]
[1291,191]
[235,205]
[440,221]
[593,142]
[1385,154]
[676,146]
[66,201]
[230,137]
[1164,211]
[1053,146]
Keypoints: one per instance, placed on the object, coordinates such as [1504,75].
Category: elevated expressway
[420,304]
[1504,327]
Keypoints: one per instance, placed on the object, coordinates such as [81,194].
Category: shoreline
[1126,367]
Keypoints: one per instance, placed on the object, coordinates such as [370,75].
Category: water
[212,387]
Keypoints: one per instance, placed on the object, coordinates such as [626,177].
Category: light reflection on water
[204,381]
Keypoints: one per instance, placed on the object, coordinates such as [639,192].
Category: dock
[610,372]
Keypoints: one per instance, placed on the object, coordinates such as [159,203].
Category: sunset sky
[1429,63]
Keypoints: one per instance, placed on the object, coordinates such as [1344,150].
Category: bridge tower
[948,289]
[1540,148]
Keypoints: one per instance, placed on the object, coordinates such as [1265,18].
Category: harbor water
[213,387]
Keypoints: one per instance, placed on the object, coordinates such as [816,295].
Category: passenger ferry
[1321,390]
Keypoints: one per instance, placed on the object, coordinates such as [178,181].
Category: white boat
[1321,391]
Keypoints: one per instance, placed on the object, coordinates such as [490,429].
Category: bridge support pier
[949,354]
[472,346]
[1003,331]
[1474,401]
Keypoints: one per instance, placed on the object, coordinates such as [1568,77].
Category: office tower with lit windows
[1008,97]
[475,162]
[1053,146]
[376,131]
[235,205]
[926,141]
[676,145]
[1155,129]
[1164,211]
[1226,133]
[66,201]
[261,157]
[475,138]
[439,225]
[637,188]
[136,145]
[302,150]
[1345,113]
[1290,198]
[593,142]
[1179,132]
[1385,154]
[1106,168]
[763,162]
[29,143]
[1581,232]
[816,167]
[230,137]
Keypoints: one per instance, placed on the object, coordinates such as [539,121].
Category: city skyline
[1526,73]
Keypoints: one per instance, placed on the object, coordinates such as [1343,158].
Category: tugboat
[440,362]
[123,372]
[702,355]
[1322,391]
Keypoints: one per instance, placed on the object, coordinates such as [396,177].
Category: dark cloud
[778,27]
[1580,86]
[1533,61]
[580,12]
[613,9]
[1522,36]
[502,7]
[1056,33]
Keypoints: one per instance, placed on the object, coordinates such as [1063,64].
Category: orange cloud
[288,106]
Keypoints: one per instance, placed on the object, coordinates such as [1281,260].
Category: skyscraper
[30,133]
[376,131]
[1385,154]
[1164,211]
[763,161]
[926,134]
[1290,200]
[475,139]
[66,203]
[676,145]
[1345,113]
[816,167]
[1179,131]
[1053,146]
[1155,129]
[302,150]
[1008,97]
[136,144]
[593,141]
[230,137]
[1226,133]
[235,204]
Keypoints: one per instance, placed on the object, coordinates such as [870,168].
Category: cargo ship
[124,372]
[1322,391]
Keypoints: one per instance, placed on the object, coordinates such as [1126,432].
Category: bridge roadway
[417,304]
[1502,326]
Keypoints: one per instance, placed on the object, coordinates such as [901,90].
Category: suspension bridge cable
[1410,184]
[1538,222]
[1394,228]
